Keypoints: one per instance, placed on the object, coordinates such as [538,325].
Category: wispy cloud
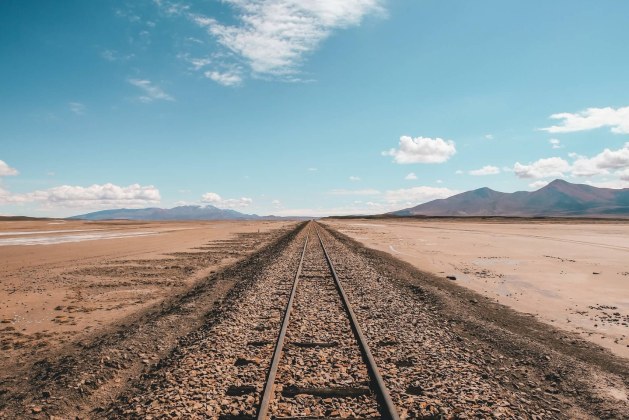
[485,170]
[151,91]
[555,143]
[273,37]
[538,184]
[591,118]
[77,107]
[366,191]
[6,170]
[228,78]
[113,55]
[422,150]
[417,195]
[354,178]
[226,203]
[411,176]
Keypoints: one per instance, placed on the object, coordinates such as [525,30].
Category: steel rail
[269,387]
[388,407]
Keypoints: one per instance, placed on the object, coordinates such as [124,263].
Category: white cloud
[367,191]
[615,184]
[591,118]
[417,195]
[228,78]
[95,196]
[607,162]
[276,203]
[199,63]
[411,176]
[538,184]
[602,163]
[555,143]
[226,203]
[542,168]
[459,172]
[312,169]
[485,170]
[151,92]
[354,178]
[489,136]
[77,107]
[274,36]
[422,150]
[6,170]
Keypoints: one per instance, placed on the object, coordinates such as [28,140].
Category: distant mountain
[559,199]
[177,213]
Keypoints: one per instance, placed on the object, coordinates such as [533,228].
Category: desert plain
[63,280]
[95,316]
[573,275]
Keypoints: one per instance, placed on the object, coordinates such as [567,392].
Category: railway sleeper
[326,392]
[239,390]
[312,344]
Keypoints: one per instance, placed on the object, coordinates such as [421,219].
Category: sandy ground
[60,280]
[573,275]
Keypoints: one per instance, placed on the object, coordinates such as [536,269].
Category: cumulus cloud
[6,170]
[95,196]
[422,150]
[602,163]
[555,143]
[542,168]
[226,203]
[228,78]
[485,170]
[411,176]
[274,36]
[607,162]
[151,91]
[591,118]
[354,178]
[417,195]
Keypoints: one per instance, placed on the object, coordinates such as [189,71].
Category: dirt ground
[573,275]
[64,279]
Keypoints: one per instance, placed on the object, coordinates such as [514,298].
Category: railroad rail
[386,407]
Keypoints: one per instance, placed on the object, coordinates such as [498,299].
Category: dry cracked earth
[443,351]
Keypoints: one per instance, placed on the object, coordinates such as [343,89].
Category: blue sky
[306,108]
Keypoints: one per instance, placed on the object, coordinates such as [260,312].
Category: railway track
[322,365]
[287,344]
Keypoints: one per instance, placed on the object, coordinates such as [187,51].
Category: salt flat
[574,275]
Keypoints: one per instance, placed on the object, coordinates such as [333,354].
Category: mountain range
[207,212]
[557,199]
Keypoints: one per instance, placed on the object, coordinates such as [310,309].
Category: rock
[451,277]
